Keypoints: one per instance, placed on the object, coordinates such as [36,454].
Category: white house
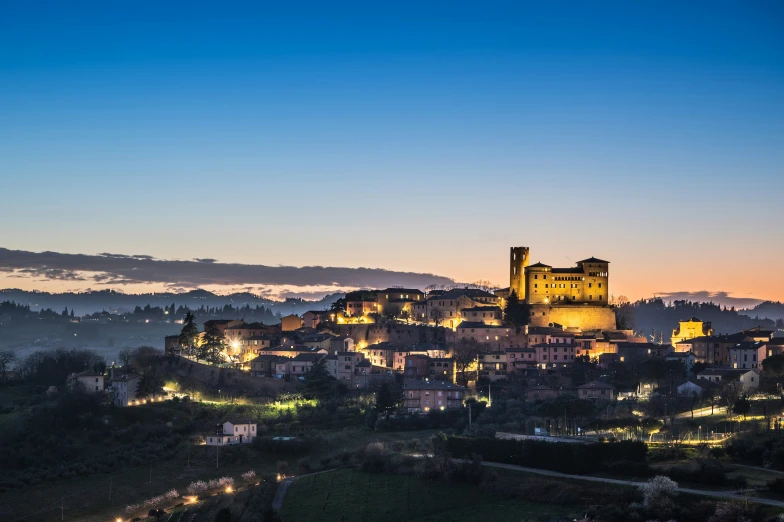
[690,389]
[91,382]
[687,358]
[124,389]
[746,380]
[234,432]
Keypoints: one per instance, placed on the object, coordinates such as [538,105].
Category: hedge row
[555,456]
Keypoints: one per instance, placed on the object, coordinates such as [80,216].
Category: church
[574,297]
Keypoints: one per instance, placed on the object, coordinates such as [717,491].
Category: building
[233,432]
[424,396]
[312,318]
[441,369]
[222,324]
[744,379]
[491,315]
[264,365]
[90,382]
[573,297]
[417,365]
[290,323]
[481,333]
[362,303]
[554,354]
[690,329]
[687,358]
[748,355]
[596,390]
[124,389]
[519,360]
[492,365]
[690,389]
[394,301]
[444,309]
[540,393]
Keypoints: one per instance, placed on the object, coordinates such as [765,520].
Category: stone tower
[518,260]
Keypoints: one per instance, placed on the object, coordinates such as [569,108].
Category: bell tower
[518,260]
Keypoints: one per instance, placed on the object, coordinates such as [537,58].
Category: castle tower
[518,260]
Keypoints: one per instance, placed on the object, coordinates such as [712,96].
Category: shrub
[249,476]
[658,492]
[776,485]
[304,465]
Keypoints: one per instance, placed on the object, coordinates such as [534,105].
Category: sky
[414,137]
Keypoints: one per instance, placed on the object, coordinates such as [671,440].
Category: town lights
[229,489]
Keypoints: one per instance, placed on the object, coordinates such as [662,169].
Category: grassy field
[87,498]
[349,496]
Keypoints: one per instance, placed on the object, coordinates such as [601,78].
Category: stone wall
[215,378]
[585,317]
[399,334]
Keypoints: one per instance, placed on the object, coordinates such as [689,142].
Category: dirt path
[724,495]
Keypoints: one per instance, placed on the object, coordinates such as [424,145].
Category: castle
[575,297]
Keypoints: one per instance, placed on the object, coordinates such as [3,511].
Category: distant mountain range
[117,302]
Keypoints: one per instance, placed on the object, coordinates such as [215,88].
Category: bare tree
[436,315]
[7,357]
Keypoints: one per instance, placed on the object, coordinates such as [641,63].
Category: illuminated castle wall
[573,297]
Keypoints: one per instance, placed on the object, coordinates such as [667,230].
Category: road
[724,495]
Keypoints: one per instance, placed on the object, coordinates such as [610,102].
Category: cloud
[120,269]
[704,296]
[205,260]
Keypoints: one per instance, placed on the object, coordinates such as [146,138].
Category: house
[302,363]
[341,344]
[687,358]
[264,365]
[554,354]
[596,390]
[441,369]
[312,318]
[91,382]
[233,432]
[424,396]
[222,324]
[519,360]
[745,379]
[481,332]
[540,392]
[492,365]
[482,314]
[124,389]
[748,355]
[690,389]
[416,365]
[444,309]
[290,323]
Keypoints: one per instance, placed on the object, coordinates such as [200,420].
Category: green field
[350,496]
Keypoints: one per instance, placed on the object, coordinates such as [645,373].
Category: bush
[658,492]
[556,456]
[776,486]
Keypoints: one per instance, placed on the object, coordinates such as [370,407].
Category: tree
[338,306]
[464,356]
[212,346]
[386,398]
[436,315]
[189,334]
[742,407]
[7,357]
[318,382]
[405,315]
[517,313]
[124,357]
[151,383]
[774,365]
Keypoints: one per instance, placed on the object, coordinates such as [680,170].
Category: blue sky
[409,136]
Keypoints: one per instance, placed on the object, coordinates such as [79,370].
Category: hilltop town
[544,375]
